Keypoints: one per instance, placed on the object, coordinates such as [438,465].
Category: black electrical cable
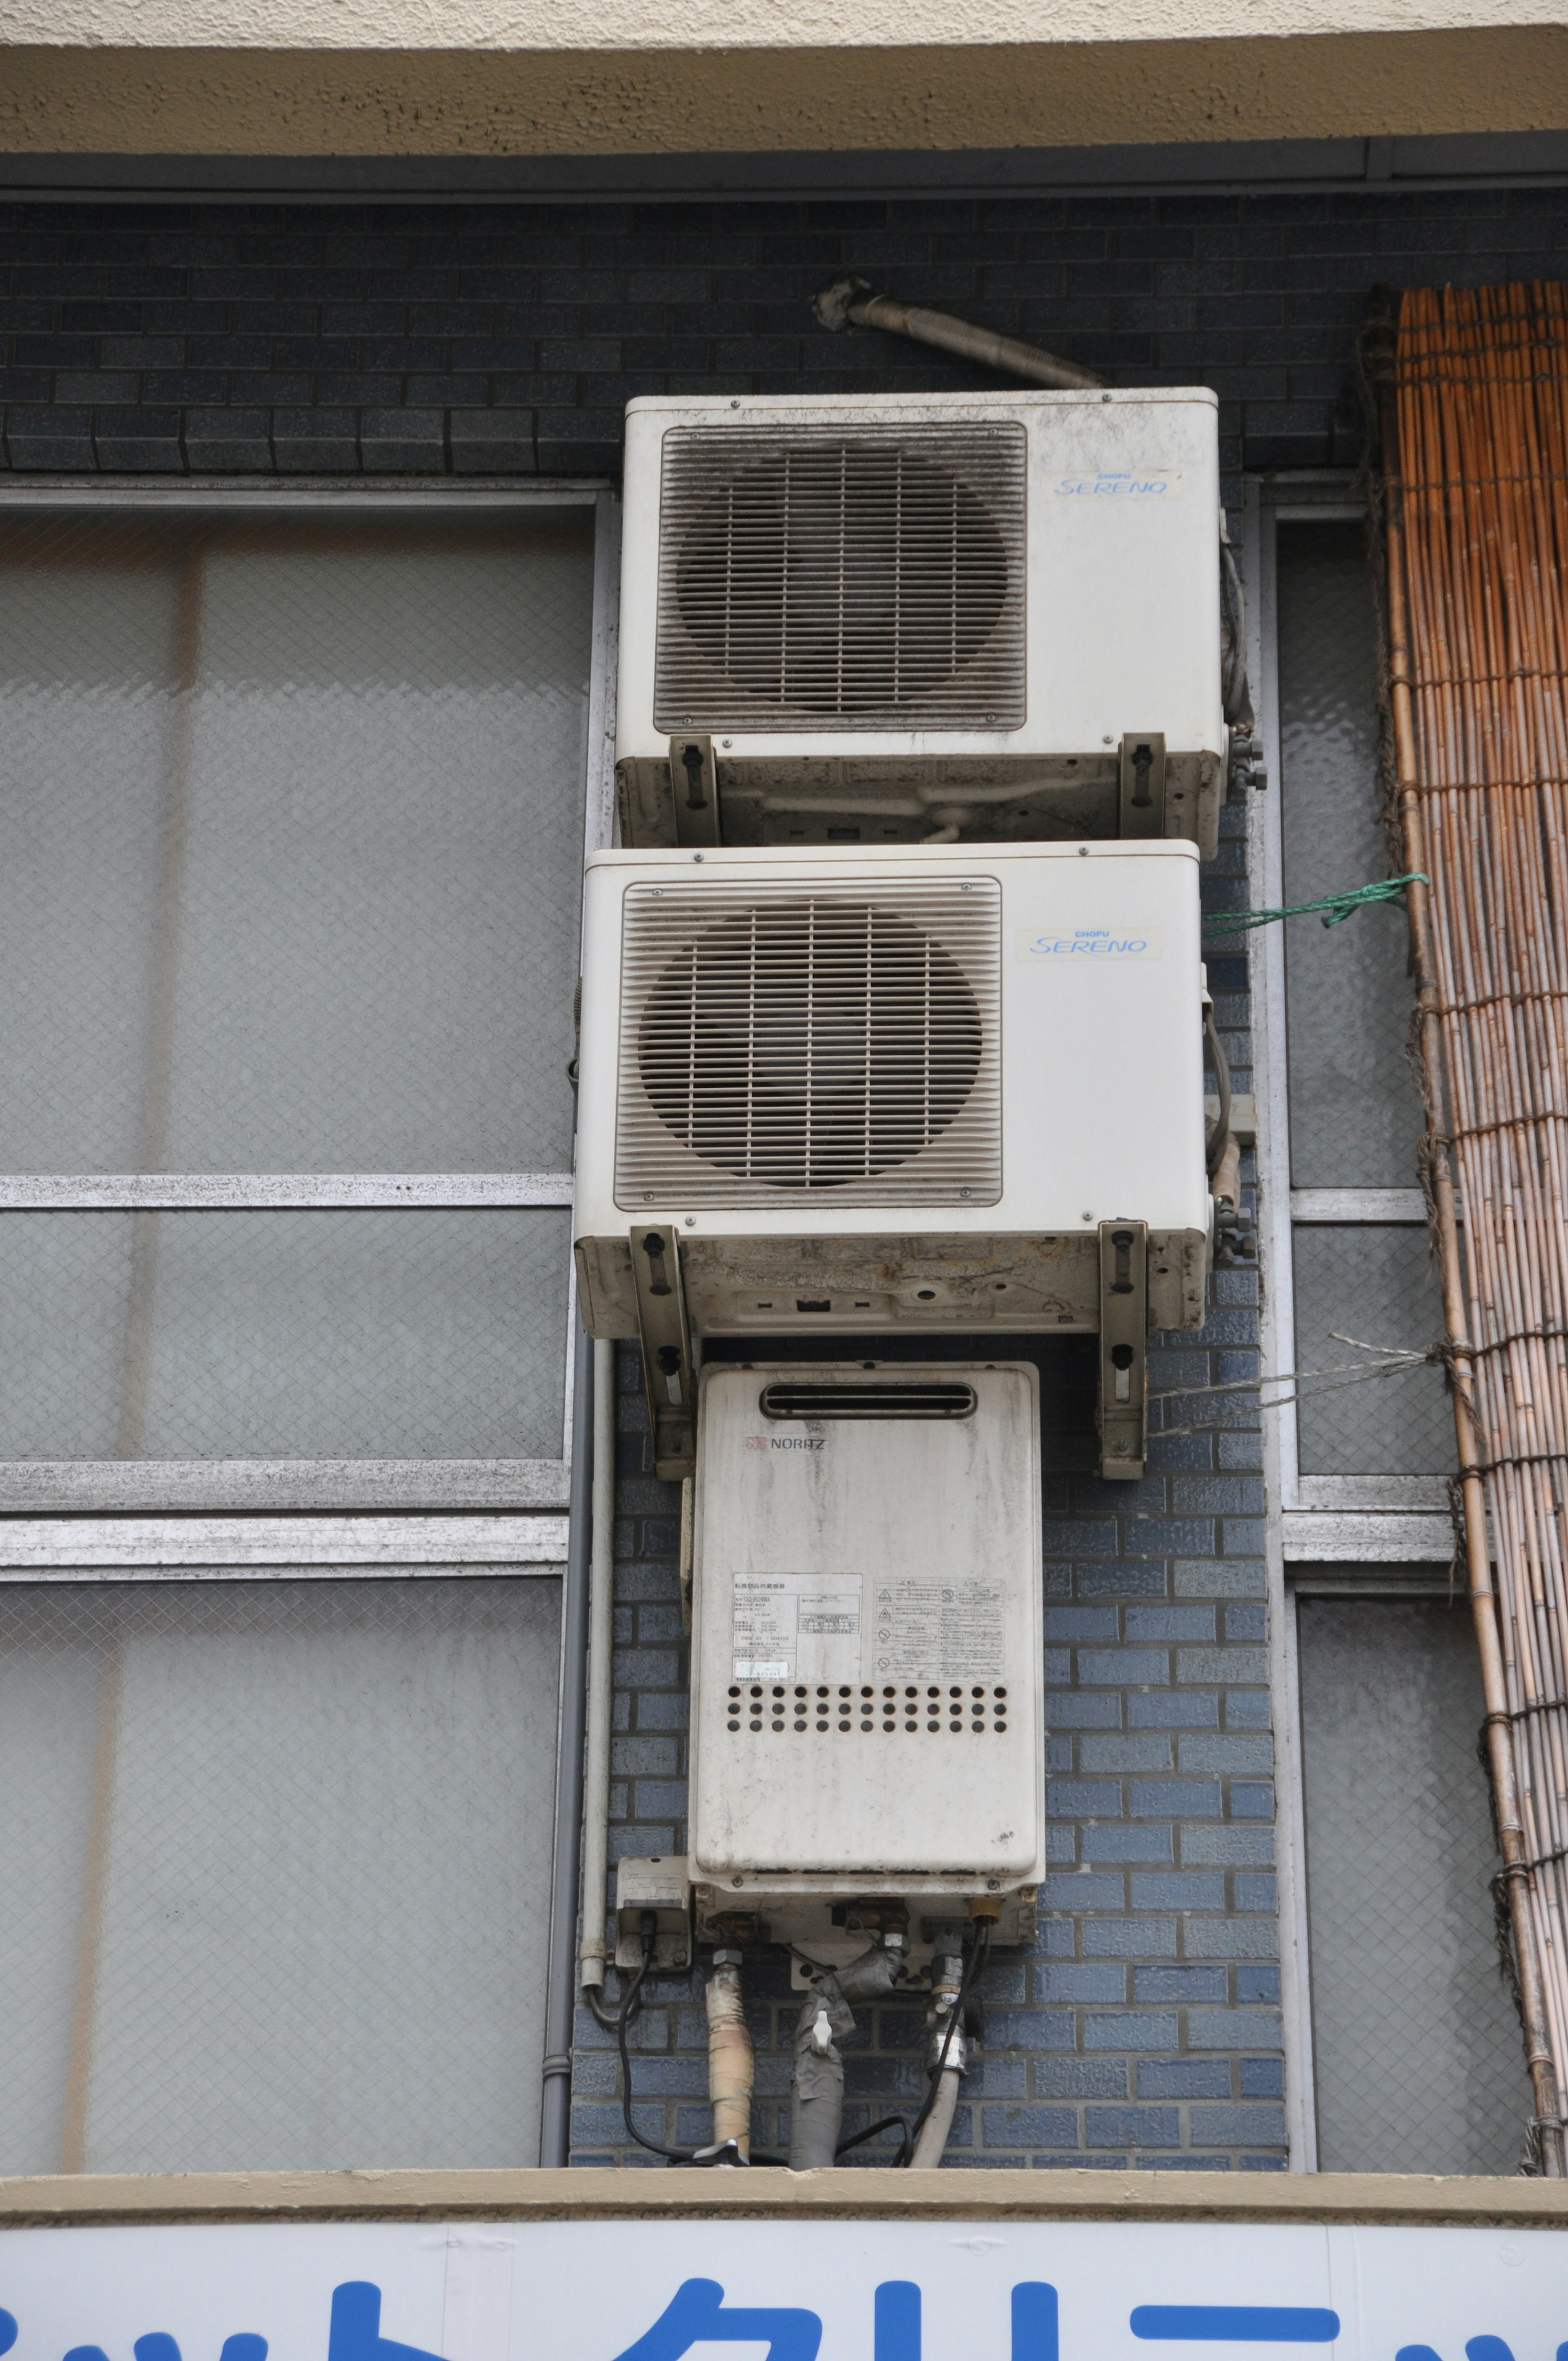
[888,2123]
[979,1951]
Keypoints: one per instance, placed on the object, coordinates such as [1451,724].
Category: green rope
[1335,907]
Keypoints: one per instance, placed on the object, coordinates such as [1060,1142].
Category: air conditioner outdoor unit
[911,1088]
[870,620]
[867,1657]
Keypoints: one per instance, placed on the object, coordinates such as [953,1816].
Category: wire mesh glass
[1420,2059]
[276,1899]
[424,1334]
[291,839]
[1370,1281]
[1355,1115]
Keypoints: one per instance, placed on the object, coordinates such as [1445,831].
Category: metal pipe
[854,303]
[597,1942]
[1474,737]
[560,1991]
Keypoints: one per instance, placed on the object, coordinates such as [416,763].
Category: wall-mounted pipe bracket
[669,1374]
[1123,1330]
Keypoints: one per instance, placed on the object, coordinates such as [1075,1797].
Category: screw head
[691,1220]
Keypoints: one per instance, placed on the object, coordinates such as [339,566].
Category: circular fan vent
[810,1044]
[839,577]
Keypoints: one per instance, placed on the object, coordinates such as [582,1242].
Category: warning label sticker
[938,1630]
[796,1626]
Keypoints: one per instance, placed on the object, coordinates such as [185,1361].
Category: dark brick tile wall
[501,340]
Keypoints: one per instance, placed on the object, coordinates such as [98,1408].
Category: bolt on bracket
[1124,1331]
[1142,810]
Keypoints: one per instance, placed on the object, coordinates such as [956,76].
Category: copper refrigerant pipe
[1472,404]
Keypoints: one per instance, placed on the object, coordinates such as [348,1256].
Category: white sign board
[655,2290]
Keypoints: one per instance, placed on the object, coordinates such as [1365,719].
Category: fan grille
[872,580]
[785,1041]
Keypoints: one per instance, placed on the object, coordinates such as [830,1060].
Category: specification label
[937,1630]
[796,1626]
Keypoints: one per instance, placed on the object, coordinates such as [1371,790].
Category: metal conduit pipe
[560,1991]
[597,1942]
[855,304]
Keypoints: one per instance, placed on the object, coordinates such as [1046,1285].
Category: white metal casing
[896,1564]
[1122,572]
[1097,989]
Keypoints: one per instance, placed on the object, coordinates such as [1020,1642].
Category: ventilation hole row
[930,1710]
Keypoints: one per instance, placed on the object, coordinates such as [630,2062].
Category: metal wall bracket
[1124,1331]
[668,1368]
[1143,784]
[694,790]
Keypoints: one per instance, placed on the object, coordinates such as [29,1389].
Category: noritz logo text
[784,1442]
[1085,946]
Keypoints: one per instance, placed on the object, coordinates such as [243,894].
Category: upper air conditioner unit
[914,1088]
[993,616]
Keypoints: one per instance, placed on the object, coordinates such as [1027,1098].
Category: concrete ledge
[115,98]
[87,2199]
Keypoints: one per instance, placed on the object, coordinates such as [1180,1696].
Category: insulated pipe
[560,1989]
[854,303]
[597,1943]
[818,2111]
[729,2064]
[947,2059]
[933,2138]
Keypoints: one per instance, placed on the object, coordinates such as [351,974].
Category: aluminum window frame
[1371,1536]
[110,1486]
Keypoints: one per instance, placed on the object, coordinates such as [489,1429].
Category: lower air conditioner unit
[925,1088]
[864,619]
[868,1726]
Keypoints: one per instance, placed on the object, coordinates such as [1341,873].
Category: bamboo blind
[1476,443]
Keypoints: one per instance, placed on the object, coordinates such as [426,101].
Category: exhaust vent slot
[782,1041]
[813,578]
[883,1398]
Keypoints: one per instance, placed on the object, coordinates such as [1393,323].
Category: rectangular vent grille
[798,1043]
[833,578]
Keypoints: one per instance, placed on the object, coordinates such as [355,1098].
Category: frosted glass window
[1355,1115]
[1420,2059]
[290,842]
[429,1333]
[278,1898]
[1372,1281]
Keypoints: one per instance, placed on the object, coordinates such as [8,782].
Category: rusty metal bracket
[1124,1331]
[668,1373]
[1143,784]
[694,790]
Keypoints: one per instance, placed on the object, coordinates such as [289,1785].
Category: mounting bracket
[1143,784]
[1124,1331]
[694,790]
[668,1374]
